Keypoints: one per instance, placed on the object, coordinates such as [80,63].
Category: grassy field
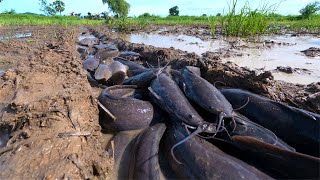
[26,19]
[253,23]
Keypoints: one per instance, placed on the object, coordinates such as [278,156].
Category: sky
[157,7]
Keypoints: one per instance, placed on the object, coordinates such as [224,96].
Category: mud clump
[287,69]
[53,118]
[312,52]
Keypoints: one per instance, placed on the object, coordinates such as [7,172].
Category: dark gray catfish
[168,95]
[202,160]
[129,112]
[142,80]
[145,159]
[91,63]
[194,70]
[123,146]
[129,55]
[298,128]
[281,163]
[134,68]
[245,127]
[206,95]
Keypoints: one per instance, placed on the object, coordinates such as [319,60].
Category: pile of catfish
[191,130]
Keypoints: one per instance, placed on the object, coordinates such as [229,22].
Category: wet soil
[49,125]
[49,119]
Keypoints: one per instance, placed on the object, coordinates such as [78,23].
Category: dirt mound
[48,112]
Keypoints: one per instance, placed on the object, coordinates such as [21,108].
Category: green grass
[295,23]
[171,20]
[26,19]
[246,23]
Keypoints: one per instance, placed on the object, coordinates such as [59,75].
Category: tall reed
[246,22]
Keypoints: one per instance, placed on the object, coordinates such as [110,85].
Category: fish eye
[190,116]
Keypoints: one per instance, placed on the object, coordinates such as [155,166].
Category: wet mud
[49,124]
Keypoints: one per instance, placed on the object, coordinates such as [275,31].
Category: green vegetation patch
[29,19]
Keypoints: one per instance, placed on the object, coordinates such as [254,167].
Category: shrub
[310,9]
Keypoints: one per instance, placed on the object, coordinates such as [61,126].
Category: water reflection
[19,35]
[270,59]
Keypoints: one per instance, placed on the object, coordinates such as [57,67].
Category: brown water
[270,59]
[182,42]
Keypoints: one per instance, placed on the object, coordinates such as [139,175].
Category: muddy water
[308,69]
[86,36]
[18,35]
[182,42]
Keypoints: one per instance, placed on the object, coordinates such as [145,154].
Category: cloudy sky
[157,7]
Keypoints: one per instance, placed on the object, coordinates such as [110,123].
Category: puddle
[86,36]
[182,42]
[297,78]
[270,59]
[19,35]
[4,137]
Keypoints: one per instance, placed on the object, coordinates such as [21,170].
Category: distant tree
[144,15]
[310,9]
[119,7]
[218,14]
[46,8]
[204,15]
[52,8]
[12,11]
[174,11]
[58,6]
